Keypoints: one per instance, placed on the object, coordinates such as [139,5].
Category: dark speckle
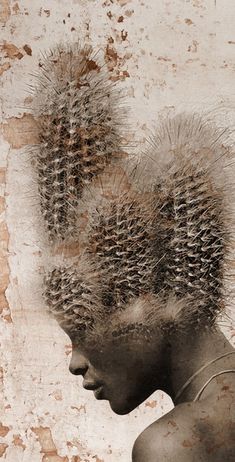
[124,35]
[28,50]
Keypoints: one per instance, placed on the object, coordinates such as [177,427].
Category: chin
[122,408]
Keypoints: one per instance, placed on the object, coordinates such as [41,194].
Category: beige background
[167,55]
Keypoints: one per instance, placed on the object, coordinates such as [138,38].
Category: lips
[97,388]
[99,393]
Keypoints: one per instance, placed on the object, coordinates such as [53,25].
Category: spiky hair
[164,238]
[77,108]
[170,241]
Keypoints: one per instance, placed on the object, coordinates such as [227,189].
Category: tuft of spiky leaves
[170,240]
[77,109]
[187,174]
[73,296]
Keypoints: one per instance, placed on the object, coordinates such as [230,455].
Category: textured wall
[167,55]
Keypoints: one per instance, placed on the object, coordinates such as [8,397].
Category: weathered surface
[167,56]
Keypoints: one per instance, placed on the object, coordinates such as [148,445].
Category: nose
[78,364]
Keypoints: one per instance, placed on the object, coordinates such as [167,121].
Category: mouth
[97,389]
[99,393]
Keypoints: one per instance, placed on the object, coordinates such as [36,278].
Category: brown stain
[67,249]
[20,131]
[48,448]
[123,2]
[17,441]
[193,48]
[114,62]
[188,21]
[121,75]
[1,376]
[151,404]
[231,42]
[3,430]
[47,13]
[11,51]
[172,423]
[187,444]
[4,243]
[109,14]
[80,408]
[27,50]
[91,65]
[78,459]
[68,349]
[5,11]
[3,448]
[129,13]
[120,19]
[4,281]
[124,35]
[16,8]
[4,67]
[111,57]
[57,394]
[163,58]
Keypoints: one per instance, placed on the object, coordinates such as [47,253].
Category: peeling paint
[160,52]
[47,444]
[123,2]
[57,394]
[151,404]
[4,67]
[16,8]
[5,11]
[20,131]
[4,243]
[17,441]
[11,51]
[3,430]
[3,448]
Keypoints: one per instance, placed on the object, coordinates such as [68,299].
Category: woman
[141,303]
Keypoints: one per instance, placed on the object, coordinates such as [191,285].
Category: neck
[191,351]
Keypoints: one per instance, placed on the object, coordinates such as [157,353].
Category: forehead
[126,328]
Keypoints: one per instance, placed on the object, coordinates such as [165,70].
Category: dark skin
[128,371]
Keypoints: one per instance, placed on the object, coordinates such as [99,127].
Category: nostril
[78,370]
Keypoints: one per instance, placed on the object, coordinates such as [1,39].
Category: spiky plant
[170,240]
[77,109]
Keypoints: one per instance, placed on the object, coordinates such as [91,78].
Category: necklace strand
[186,384]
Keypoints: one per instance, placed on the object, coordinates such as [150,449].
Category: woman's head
[153,263]
[124,359]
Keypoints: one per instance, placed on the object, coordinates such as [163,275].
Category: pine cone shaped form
[196,210]
[78,127]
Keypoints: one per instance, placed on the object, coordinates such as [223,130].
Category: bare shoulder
[202,431]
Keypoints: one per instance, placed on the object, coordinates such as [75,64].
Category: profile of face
[124,371]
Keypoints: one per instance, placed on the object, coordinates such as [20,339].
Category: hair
[78,126]
[163,242]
